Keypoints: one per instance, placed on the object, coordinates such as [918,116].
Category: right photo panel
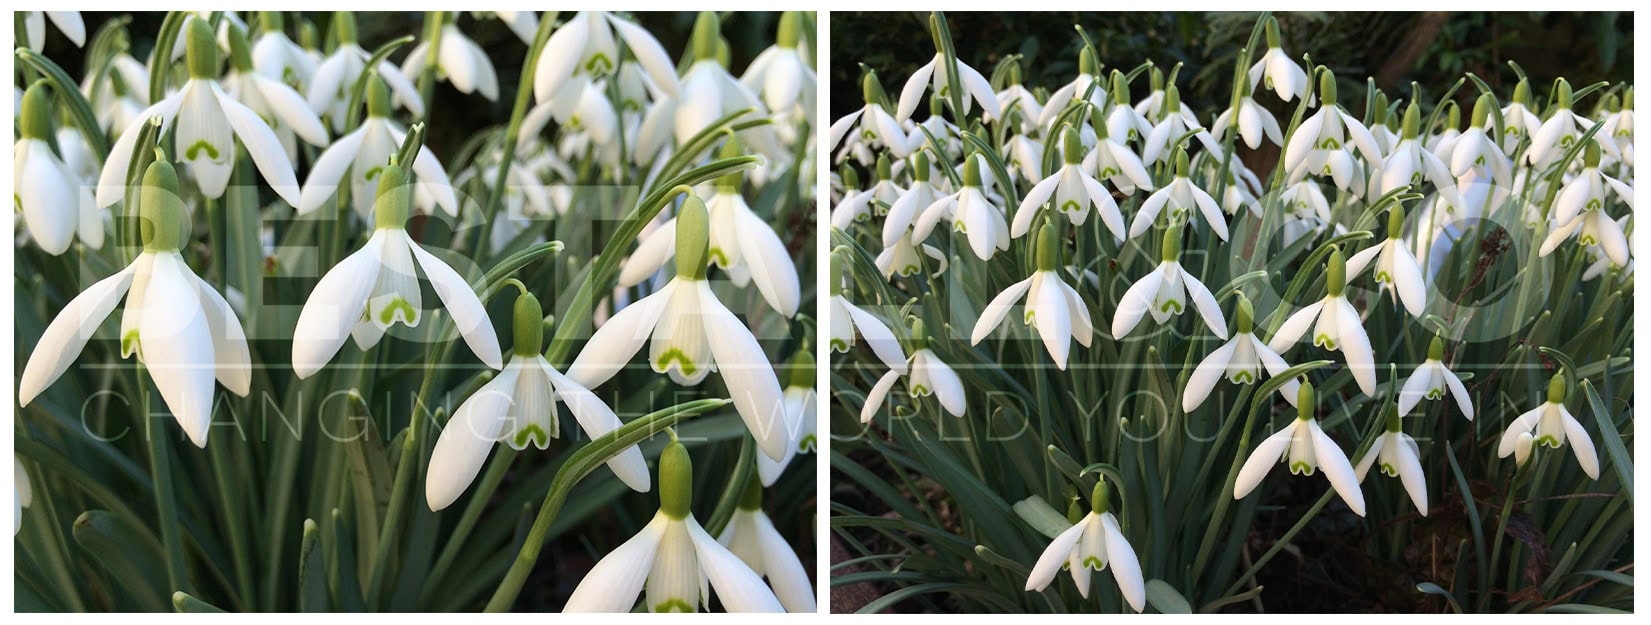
[1231,312]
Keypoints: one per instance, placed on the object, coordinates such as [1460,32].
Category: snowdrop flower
[857,208]
[1518,120]
[1182,197]
[121,98]
[1618,132]
[848,319]
[780,74]
[970,213]
[1240,360]
[975,86]
[673,562]
[1581,207]
[1177,121]
[1473,156]
[905,258]
[208,122]
[1396,270]
[1123,122]
[800,416]
[692,334]
[275,55]
[364,154]
[740,243]
[459,60]
[1073,191]
[904,210]
[1017,97]
[1113,161]
[1410,164]
[54,202]
[377,286]
[1561,130]
[1306,210]
[22,496]
[1339,327]
[1076,91]
[875,126]
[853,207]
[329,90]
[1240,190]
[1164,294]
[1151,107]
[585,47]
[1251,121]
[1094,543]
[1318,146]
[927,375]
[177,325]
[1551,425]
[1052,307]
[1430,381]
[67,22]
[1602,261]
[1277,71]
[1306,448]
[518,407]
[524,24]
[751,536]
[286,112]
[709,93]
[1397,454]
[1024,158]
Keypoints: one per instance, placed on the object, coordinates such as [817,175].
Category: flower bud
[201,49]
[1412,121]
[1181,163]
[801,370]
[1392,417]
[528,325]
[871,89]
[676,481]
[1273,38]
[1306,402]
[1562,93]
[1481,110]
[271,21]
[1522,448]
[1120,88]
[1556,388]
[751,499]
[732,181]
[164,222]
[1590,155]
[1335,272]
[971,171]
[1086,62]
[1049,246]
[885,169]
[1522,92]
[919,334]
[920,169]
[693,235]
[791,30]
[1172,100]
[1011,73]
[378,96]
[1453,116]
[851,179]
[395,197]
[36,117]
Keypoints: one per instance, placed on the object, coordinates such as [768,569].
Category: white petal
[205,139]
[462,304]
[878,337]
[111,182]
[334,307]
[1294,327]
[1056,554]
[1266,454]
[597,419]
[176,343]
[262,145]
[1410,474]
[1581,445]
[614,583]
[1336,468]
[1362,469]
[618,340]
[770,263]
[1207,307]
[878,393]
[327,171]
[1415,387]
[1355,345]
[736,584]
[997,309]
[229,342]
[648,53]
[560,57]
[46,195]
[292,109]
[785,572]
[1208,372]
[1459,393]
[652,252]
[747,373]
[912,94]
[1148,214]
[1035,199]
[1126,568]
[68,332]
[1135,303]
[467,439]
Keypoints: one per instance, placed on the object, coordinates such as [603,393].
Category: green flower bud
[1327,88]
[1120,88]
[343,25]
[707,30]
[395,197]
[1391,415]
[1481,111]
[1306,402]
[1335,272]
[1011,73]
[528,325]
[1073,512]
[36,122]
[1049,246]
[1086,62]
[1155,78]
[885,169]
[378,96]
[201,50]
[676,481]
[791,30]
[693,235]
[1436,349]
[851,178]
[1172,100]
[1590,155]
[971,171]
[1099,497]
[937,105]
[1628,99]
[1071,146]
[1378,113]
[1562,93]
[1273,38]
[1246,315]
[871,89]
[240,52]
[1412,121]
[919,335]
[1453,116]
[1172,245]
[1395,222]
[1556,388]
[920,170]
[834,275]
[1181,163]
[164,222]
[1522,92]
[1098,123]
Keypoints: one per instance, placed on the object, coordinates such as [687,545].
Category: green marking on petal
[1243,377]
[839,345]
[959,227]
[1071,206]
[1548,440]
[398,308]
[129,344]
[674,605]
[1325,341]
[1329,144]
[1301,468]
[1094,563]
[1383,276]
[680,357]
[808,443]
[195,149]
[1587,240]
[372,174]
[1435,393]
[601,65]
[532,433]
[718,257]
[1390,470]
[1171,306]
[1108,172]
[921,391]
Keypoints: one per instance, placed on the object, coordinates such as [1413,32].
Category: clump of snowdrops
[1077,335]
[399,330]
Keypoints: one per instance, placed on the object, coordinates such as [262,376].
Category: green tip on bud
[1099,499]
[1120,88]
[1086,61]
[732,181]
[272,21]
[851,179]
[395,197]
[1481,110]
[693,235]
[885,169]
[1590,155]
[1273,38]
[871,89]
[378,96]
[201,49]
[1412,121]
[1155,78]
[240,52]
[1395,221]
[791,30]
[1391,415]
[1072,146]
[1172,100]
[1172,245]
[1562,93]
[1011,73]
[676,481]
[529,325]
[1306,402]
[1436,349]
[1074,513]
[1246,315]
[1049,246]
[1327,88]
[1182,165]
[919,334]
[920,169]
[163,216]
[971,171]
[1335,272]
[36,122]
[707,30]
[1453,116]
[1556,388]
[1522,91]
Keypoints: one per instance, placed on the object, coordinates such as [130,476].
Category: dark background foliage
[1431,48]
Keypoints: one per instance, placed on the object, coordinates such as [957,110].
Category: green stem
[166,504]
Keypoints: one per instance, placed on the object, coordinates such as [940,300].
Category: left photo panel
[419,312]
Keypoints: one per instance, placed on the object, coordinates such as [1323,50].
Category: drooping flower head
[1052,308]
[1339,326]
[1306,448]
[1551,425]
[1094,543]
[752,536]
[53,202]
[1398,456]
[1164,294]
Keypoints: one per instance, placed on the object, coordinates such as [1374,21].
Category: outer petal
[1048,309]
[176,343]
[560,57]
[467,439]
[262,145]
[878,393]
[1207,307]
[67,335]
[1459,393]
[111,182]
[770,264]
[1362,469]
[652,252]
[948,388]
[785,572]
[649,53]
[229,341]
[1355,345]
[1126,568]
[1135,303]
[462,304]
[1581,445]
[1056,554]
[1035,199]
[615,582]
[292,109]
[1415,387]
[1208,372]
[878,337]
[47,197]
[1275,366]
[997,309]
[1410,473]
[1336,468]
[327,171]
[1266,454]
[334,307]
[912,94]
[618,340]
[1294,327]
[597,419]
[736,584]
[747,373]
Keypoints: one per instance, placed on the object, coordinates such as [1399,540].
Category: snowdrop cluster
[332,135]
[1171,189]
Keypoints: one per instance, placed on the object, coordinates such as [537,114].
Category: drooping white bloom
[275,55]
[1023,157]
[709,93]
[1073,191]
[1617,133]
[1581,207]
[1095,543]
[848,319]
[1164,294]
[1518,120]
[54,202]
[377,286]
[1052,307]
[178,326]
[779,74]
[1473,156]
[672,562]
[970,212]
[1396,271]
[1306,448]
[1277,71]
[800,417]
[518,407]
[1113,161]
[934,73]
[690,334]
[585,46]
[67,22]
[1430,381]
[1319,145]
[459,60]
[1016,97]
[1306,211]
[1252,122]
[364,153]
[1177,121]
[1183,198]
[1558,133]
[1079,90]
[905,258]
[928,375]
[858,207]
[286,112]
[1339,327]
[208,121]
[751,536]
[875,125]
[118,96]
[524,24]
[741,243]
[1411,164]
[1398,456]
[329,95]
[1240,360]
[1551,425]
